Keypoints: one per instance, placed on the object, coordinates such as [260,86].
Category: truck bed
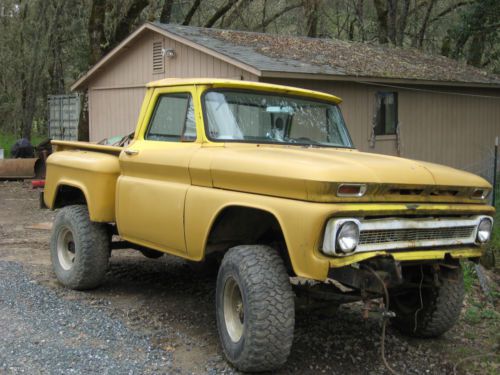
[73,145]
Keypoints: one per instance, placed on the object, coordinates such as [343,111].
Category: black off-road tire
[267,304]
[90,243]
[441,306]
[151,254]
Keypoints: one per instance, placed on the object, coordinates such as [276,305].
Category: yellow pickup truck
[266,179]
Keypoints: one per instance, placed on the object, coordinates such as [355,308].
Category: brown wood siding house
[398,102]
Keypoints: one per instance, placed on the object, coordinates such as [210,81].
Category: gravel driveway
[157,316]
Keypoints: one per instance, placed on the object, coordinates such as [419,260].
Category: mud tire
[441,306]
[267,304]
[90,248]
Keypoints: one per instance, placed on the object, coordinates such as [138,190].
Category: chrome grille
[393,233]
[415,234]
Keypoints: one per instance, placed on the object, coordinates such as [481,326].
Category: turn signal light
[351,190]
[480,194]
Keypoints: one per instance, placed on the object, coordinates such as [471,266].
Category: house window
[387,113]
[173,119]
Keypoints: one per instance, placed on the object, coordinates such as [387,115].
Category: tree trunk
[403,19]
[311,8]
[476,50]
[126,24]
[31,81]
[55,49]
[166,11]
[359,10]
[391,20]
[382,21]
[97,37]
[83,120]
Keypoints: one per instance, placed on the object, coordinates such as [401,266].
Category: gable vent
[158,58]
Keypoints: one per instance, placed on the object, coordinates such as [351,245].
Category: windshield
[273,118]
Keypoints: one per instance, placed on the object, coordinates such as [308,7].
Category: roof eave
[374,80]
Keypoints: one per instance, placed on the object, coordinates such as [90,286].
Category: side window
[173,119]
[387,113]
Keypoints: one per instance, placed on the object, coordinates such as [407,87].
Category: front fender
[300,222]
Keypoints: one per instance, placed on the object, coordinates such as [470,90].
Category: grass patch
[479,312]
[494,246]
[8,140]
[470,275]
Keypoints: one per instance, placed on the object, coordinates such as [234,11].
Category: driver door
[155,172]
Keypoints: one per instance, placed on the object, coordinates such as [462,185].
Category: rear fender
[94,174]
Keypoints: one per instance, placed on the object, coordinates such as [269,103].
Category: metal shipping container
[64,113]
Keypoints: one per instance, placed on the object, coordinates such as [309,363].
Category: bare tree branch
[277,15]
[235,13]
[191,12]
[450,9]
[221,12]
[425,23]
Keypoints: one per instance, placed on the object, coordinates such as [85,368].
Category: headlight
[341,236]
[347,237]
[484,230]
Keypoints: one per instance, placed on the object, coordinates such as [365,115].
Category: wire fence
[488,169]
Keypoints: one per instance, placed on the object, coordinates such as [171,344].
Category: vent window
[158,57]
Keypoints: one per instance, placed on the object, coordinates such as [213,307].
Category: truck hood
[313,174]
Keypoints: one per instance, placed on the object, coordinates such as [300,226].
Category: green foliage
[45,45]
[470,275]
[8,140]
[478,312]
[493,250]
[42,42]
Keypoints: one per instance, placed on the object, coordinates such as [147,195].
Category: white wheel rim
[234,315]
[66,249]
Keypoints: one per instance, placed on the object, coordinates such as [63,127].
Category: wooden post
[495,171]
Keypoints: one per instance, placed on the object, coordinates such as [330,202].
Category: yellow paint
[168,194]
[249,85]
[153,184]
[458,253]
[93,173]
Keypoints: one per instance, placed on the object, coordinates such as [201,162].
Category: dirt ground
[165,303]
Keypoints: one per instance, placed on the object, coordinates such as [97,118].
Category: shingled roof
[301,55]
[268,55]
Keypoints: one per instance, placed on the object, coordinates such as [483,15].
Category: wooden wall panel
[116,93]
[114,112]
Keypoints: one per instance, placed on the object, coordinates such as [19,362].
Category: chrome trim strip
[333,226]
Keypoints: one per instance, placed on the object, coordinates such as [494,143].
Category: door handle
[131,152]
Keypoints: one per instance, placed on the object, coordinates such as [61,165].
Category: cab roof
[245,85]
